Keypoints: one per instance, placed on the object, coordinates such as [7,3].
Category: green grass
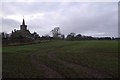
[100,55]
[93,53]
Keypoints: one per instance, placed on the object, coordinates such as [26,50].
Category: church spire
[23,26]
[23,23]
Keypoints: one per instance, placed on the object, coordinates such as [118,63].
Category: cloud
[8,25]
[61,1]
[94,19]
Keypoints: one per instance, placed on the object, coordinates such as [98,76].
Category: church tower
[23,26]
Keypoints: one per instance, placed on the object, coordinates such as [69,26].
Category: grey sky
[87,18]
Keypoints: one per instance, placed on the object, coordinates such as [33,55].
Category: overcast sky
[86,18]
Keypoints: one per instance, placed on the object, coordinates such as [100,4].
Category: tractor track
[49,72]
[88,72]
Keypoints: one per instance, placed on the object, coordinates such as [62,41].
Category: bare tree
[56,32]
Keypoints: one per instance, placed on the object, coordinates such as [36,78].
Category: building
[22,33]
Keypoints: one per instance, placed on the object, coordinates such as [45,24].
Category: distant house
[22,33]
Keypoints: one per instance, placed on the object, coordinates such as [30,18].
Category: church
[23,32]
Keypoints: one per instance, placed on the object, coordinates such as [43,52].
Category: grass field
[62,59]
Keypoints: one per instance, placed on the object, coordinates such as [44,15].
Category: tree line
[7,38]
